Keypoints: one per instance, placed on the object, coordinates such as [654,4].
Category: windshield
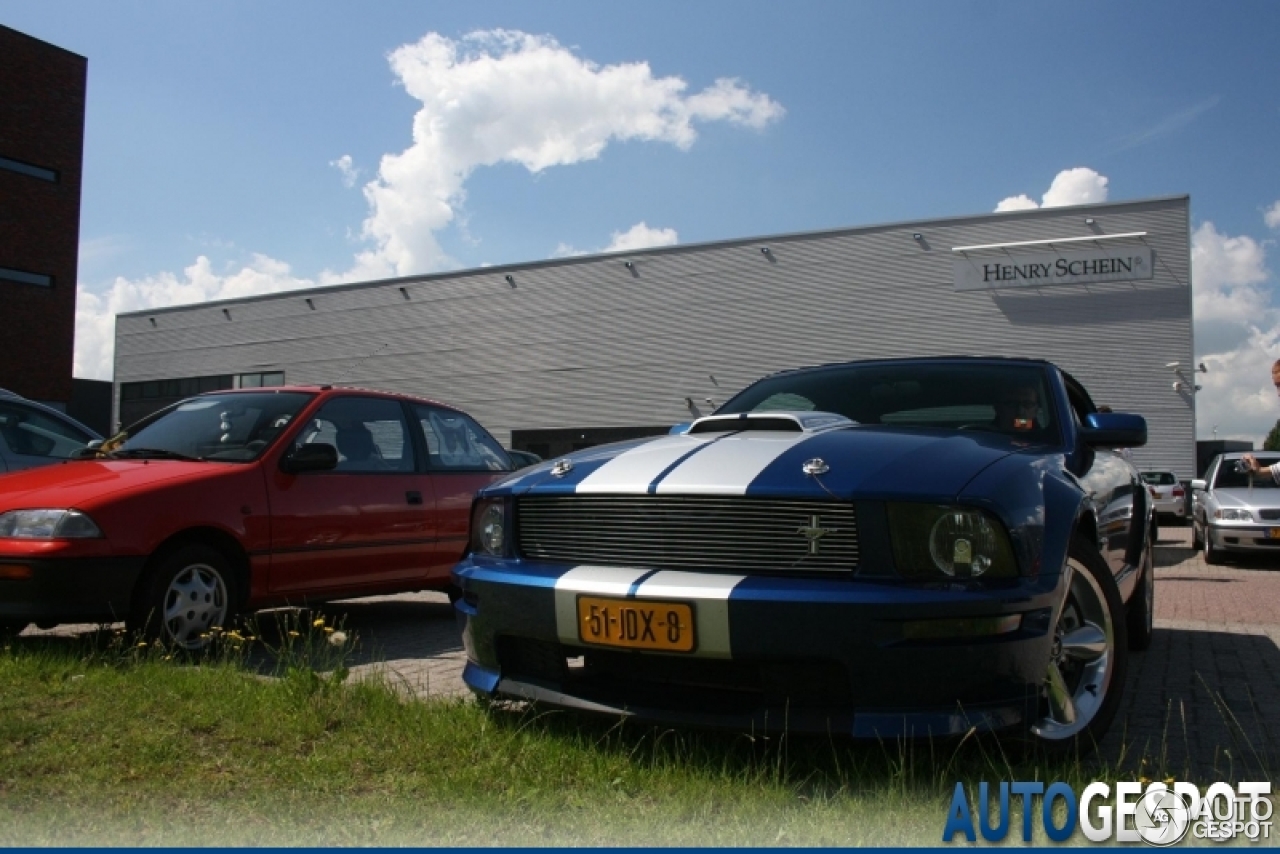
[228,427]
[1160,478]
[1009,399]
[1232,475]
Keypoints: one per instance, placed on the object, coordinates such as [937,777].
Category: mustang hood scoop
[777,422]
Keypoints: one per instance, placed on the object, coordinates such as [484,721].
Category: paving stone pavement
[1203,702]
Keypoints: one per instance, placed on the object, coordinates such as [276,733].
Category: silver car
[1168,498]
[1236,511]
[32,434]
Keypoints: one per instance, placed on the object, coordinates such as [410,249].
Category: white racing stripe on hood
[728,467]
[707,592]
[632,471]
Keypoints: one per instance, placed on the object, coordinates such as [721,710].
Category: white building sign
[989,272]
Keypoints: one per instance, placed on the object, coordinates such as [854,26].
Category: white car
[1168,497]
[1236,511]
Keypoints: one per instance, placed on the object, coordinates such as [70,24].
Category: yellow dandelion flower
[328,630]
[318,622]
[1144,780]
[141,644]
[294,634]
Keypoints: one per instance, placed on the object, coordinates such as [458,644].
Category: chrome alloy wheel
[195,601]
[1081,661]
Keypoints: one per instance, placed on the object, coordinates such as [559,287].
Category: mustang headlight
[940,541]
[489,527]
[47,524]
[1233,515]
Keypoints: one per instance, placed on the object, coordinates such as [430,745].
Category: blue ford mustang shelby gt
[890,548]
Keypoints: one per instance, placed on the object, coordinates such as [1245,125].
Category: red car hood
[83,483]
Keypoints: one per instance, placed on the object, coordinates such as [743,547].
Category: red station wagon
[241,500]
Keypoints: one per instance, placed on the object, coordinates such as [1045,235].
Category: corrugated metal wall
[586,342]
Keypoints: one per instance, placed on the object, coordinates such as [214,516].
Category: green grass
[111,743]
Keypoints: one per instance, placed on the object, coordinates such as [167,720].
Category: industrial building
[570,352]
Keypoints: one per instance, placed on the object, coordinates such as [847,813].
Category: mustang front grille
[703,533]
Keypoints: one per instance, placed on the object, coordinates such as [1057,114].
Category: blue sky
[243,147]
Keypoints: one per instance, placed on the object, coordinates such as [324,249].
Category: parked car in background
[523,459]
[1236,511]
[32,434]
[237,500]
[1167,493]
[881,549]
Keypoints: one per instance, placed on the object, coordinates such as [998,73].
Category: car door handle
[413,496]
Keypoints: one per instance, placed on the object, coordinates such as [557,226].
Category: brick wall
[42,104]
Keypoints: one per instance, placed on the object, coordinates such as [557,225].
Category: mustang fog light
[47,524]
[931,540]
[489,527]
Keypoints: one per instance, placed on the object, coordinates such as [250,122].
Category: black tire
[188,592]
[1197,542]
[1212,554]
[1086,670]
[1140,618]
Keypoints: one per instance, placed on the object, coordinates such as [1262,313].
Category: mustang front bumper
[867,658]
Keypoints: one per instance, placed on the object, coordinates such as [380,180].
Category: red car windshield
[225,427]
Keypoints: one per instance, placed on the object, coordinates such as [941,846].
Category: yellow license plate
[1274,533]
[636,624]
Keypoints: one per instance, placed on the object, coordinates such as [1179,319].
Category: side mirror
[1114,430]
[677,429]
[94,444]
[313,456]
[1197,484]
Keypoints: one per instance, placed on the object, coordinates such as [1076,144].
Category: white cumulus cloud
[95,313]
[1079,186]
[345,165]
[488,98]
[1237,335]
[500,96]
[1272,216]
[639,236]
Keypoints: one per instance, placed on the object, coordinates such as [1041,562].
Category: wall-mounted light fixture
[153,321]
[404,292]
[917,236]
[1173,366]
[1089,220]
[1178,385]
[1201,369]
[311,305]
[511,280]
[226,312]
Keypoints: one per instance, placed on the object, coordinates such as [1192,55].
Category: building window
[262,380]
[184,387]
[28,169]
[25,277]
